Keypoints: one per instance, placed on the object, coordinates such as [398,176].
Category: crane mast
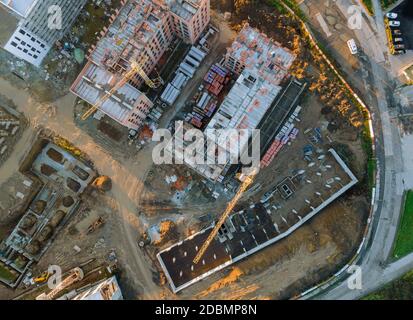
[246,183]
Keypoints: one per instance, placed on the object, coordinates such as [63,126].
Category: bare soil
[280,271]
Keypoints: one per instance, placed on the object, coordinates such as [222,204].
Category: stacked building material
[288,132]
[216,78]
[170,94]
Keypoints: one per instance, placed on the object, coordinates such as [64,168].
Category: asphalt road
[405,16]
[373,262]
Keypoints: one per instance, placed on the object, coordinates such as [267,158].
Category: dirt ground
[309,255]
[284,269]
[319,248]
[312,253]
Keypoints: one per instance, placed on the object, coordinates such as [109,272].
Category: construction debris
[95,225]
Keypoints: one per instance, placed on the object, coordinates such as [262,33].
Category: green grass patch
[371,169]
[292,4]
[278,6]
[404,241]
[400,289]
[6,274]
[387,3]
[368,4]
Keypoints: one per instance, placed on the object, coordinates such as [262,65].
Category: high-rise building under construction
[141,31]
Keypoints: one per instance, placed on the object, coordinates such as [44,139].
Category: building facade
[106,290]
[42,23]
[189,18]
[141,31]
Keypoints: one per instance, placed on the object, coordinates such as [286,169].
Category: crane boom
[135,69]
[247,182]
[155,83]
[75,275]
[107,95]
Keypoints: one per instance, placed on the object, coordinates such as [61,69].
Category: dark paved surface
[275,118]
[405,16]
[253,227]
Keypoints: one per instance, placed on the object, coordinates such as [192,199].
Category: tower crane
[246,183]
[75,275]
[135,69]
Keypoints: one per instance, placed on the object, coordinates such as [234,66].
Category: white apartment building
[37,30]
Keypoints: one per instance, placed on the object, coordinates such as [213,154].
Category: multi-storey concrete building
[105,290]
[189,18]
[258,53]
[141,31]
[261,65]
[42,23]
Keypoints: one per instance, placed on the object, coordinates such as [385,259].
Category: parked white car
[352,46]
[391,15]
[394,23]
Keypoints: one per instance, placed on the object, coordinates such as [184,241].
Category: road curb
[307,294]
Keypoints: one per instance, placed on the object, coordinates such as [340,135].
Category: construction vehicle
[135,69]
[244,186]
[74,276]
[42,278]
[95,225]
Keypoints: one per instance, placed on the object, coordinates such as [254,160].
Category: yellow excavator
[42,278]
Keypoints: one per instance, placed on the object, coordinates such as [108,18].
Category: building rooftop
[124,40]
[94,83]
[254,92]
[185,9]
[21,7]
[177,146]
[244,106]
[262,55]
[294,201]
[106,290]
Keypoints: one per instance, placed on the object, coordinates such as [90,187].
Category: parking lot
[405,16]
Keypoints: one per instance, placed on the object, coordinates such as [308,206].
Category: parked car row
[397,40]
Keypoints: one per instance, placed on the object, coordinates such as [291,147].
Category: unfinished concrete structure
[37,30]
[141,31]
[261,65]
[292,203]
[63,178]
[256,52]
[107,289]
[189,18]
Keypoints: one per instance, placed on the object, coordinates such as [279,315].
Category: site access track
[127,176]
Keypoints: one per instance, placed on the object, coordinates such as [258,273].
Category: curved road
[389,191]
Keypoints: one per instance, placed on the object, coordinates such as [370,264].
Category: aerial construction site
[80,191]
